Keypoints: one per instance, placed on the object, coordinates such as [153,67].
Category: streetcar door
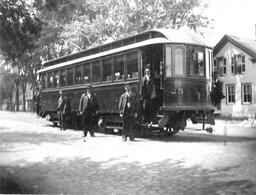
[152,59]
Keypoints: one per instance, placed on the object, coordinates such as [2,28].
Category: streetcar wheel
[132,138]
[169,132]
[209,129]
[175,130]
[105,129]
[141,132]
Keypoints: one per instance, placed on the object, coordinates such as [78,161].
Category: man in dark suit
[64,110]
[60,109]
[36,99]
[88,107]
[147,89]
[129,110]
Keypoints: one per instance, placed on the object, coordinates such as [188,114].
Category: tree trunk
[24,95]
[17,95]
[1,101]
[10,105]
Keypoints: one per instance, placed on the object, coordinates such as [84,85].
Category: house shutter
[219,67]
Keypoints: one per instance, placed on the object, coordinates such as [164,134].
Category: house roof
[247,45]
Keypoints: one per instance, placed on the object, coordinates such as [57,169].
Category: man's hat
[147,70]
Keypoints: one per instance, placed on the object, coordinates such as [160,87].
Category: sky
[231,17]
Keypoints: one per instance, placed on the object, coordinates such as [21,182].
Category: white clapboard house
[235,63]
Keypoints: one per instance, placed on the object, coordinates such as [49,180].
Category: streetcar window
[50,80]
[168,61]
[142,37]
[86,69]
[196,63]
[43,80]
[156,34]
[106,63]
[63,77]
[96,71]
[70,76]
[208,64]
[129,41]
[106,48]
[119,68]
[55,79]
[178,61]
[132,65]
[117,44]
[78,75]
[94,51]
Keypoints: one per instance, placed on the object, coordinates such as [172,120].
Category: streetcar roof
[181,36]
[105,53]
[169,36]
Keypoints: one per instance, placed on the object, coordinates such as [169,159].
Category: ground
[36,157]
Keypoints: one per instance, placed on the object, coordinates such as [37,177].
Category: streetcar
[181,59]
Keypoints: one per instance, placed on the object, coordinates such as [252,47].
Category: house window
[238,64]
[246,93]
[221,66]
[230,94]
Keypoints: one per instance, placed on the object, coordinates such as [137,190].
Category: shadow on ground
[83,176]
[15,180]
[198,137]
[35,138]
[3,128]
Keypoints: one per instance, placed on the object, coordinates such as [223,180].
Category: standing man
[128,109]
[66,112]
[216,93]
[88,107]
[146,96]
[36,99]
[60,109]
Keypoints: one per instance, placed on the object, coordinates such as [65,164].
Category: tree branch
[73,44]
